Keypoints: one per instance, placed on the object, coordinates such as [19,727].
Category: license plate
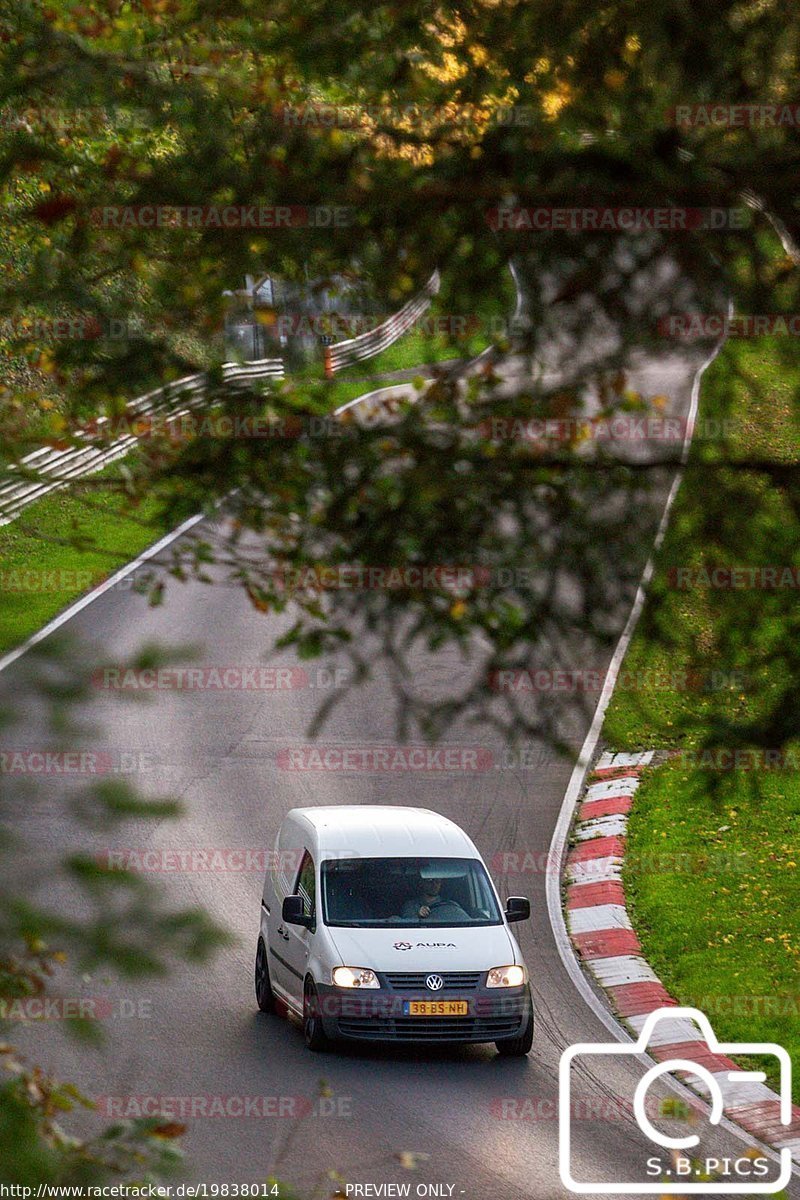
[435,1008]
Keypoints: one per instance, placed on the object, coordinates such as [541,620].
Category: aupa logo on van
[426,946]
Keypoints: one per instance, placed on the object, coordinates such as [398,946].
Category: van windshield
[384,892]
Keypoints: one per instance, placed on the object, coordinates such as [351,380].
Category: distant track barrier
[48,468]
[366,345]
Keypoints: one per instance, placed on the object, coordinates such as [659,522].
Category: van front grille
[454,981]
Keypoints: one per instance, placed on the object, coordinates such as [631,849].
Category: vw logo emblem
[435,983]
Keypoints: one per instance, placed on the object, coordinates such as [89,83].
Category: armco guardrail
[344,354]
[47,469]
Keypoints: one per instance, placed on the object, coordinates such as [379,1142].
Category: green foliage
[35,1148]
[111,106]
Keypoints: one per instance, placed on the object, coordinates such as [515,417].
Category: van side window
[306,887]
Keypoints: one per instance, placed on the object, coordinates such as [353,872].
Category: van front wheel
[518,1047]
[265,996]
[313,1032]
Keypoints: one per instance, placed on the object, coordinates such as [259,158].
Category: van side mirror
[518,908]
[294,913]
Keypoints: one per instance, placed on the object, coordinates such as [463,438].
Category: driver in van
[430,903]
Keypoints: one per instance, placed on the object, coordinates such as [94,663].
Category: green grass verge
[62,546]
[714,895]
[712,873]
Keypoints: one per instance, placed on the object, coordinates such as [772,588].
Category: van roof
[387,831]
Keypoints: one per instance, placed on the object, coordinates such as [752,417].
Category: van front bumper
[494,1014]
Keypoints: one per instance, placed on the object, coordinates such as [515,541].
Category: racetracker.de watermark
[233,1106]
[580,681]
[38,761]
[766,577]
[379,759]
[454,580]
[691,327]
[620,428]
[764,115]
[75,1008]
[537,861]
[739,758]
[36,580]
[224,216]
[82,328]
[186,426]
[218,678]
[743,1005]
[619,219]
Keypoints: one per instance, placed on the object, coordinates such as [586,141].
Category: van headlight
[354,977]
[512,976]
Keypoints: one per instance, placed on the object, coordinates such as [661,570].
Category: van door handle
[283,932]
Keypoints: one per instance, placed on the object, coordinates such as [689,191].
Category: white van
[383,924]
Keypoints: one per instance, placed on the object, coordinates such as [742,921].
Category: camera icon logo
[718,1086]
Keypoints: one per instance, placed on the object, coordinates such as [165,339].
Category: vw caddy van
[383,924]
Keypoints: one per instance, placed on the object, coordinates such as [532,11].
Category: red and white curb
[603,937]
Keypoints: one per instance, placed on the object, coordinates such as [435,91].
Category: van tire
[518,1047]
[313,1032]
[265,996]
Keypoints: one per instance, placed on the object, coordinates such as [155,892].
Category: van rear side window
[384,892]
